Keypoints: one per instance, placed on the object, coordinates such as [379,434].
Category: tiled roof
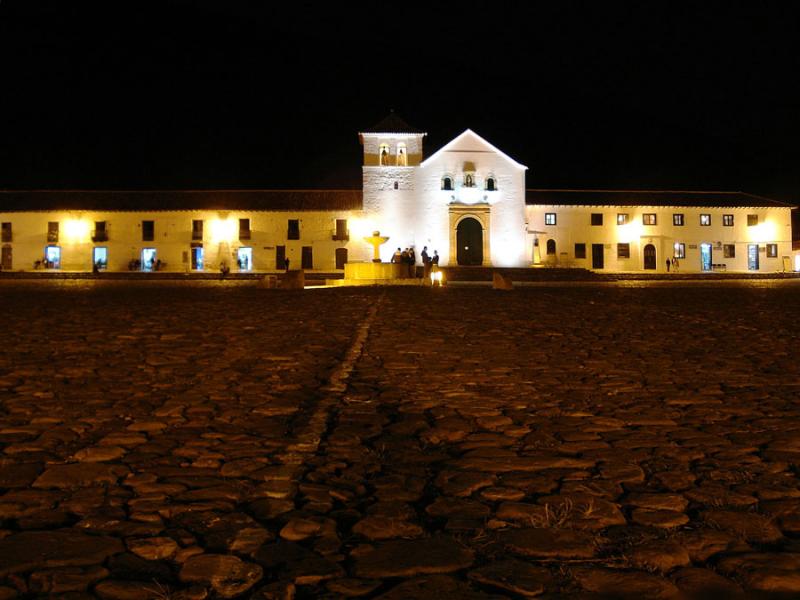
[649,198]
[392,124]
[162,200]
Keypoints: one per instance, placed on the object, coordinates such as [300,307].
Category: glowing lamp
[223,230]
[76,229]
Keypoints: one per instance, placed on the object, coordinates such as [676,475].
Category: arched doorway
[650,257]
[469,242]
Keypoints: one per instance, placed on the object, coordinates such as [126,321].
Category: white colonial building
[468,201]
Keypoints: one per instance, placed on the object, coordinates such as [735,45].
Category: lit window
[623,250]
[729,251]
[752,220]
[727,220]
[597,219]
[772,250]
[402,157]
[649,218]
[622,218]
[679,250]
[551,247]
[677,219]
[580,250]
[705,220]
[490,184]
[447,184]
[549,218]
[384,155]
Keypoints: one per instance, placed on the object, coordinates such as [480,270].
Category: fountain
[376,240]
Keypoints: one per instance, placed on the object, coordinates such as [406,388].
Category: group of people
[672,262]
[408,259]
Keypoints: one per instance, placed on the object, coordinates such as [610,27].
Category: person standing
[412,262]
[426,263]
[669,264]
[397,256]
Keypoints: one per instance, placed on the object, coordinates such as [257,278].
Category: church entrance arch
[469,242]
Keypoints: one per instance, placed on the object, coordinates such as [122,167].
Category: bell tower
[392,153]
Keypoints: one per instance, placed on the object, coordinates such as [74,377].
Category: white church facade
[468,201]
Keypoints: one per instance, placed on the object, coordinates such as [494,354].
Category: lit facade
[468,201]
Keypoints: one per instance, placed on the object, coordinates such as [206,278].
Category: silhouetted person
[669,264]
[286,263]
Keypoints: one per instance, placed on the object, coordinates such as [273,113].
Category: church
[468,201]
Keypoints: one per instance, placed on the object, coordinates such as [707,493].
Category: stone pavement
[215,440]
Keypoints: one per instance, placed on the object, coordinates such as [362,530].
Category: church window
[52,231]
[469,180]
[597,219]
[384,155]
[549,218]
[623,250]
[148,231]
[551,247]
[244,229]
[402,157]
[490,184]
[580,250]
[293,232]
[447,184]
[197,229]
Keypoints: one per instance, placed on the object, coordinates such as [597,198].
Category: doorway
[244,258]
[469,242]
[706,257]
[597,256]
[6,261]
[650,257]
[752,257]
[341,257]
[148,259]
[280,257]
[197,257]
[52,257]
[100,258]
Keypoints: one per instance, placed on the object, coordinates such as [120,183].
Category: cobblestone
[221,440]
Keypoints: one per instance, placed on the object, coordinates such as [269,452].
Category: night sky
[180,94]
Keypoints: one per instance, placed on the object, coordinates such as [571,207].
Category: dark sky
[181,94]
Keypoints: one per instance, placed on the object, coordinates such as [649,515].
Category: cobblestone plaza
[217,440]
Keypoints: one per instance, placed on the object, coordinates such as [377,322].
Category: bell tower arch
[392,153]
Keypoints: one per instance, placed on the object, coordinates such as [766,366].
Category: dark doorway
[280,257]
[650,257]
[341,257]
[307,258]
[6,261]
[469,242]
[597,256]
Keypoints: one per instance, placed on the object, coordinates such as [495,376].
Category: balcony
[341,236]
[244,234]
[7,237]
[52,237]
[99,235]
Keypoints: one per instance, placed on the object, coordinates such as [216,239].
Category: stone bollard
[293,280]
[269,282]
[501,282]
